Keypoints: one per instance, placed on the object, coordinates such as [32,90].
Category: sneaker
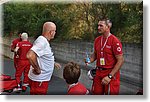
[17,89]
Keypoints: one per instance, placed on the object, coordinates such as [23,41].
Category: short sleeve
[95,45]
[18,44]
[13,45]
[117,47]
[39,46]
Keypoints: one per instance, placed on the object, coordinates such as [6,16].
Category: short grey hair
[24,36]
[47,26]
[107,21]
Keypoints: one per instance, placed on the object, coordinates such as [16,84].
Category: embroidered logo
[118,49]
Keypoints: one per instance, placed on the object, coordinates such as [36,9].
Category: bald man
[42,61]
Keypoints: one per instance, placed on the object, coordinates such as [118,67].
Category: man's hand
[105,80]
[86,63]
[91,59]
[32,57]
[36,71]
[57,65]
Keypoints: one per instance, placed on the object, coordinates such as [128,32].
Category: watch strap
[110,76]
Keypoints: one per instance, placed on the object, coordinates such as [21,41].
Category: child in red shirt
[71,74]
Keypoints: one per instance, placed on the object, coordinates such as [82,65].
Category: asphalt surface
[57,86]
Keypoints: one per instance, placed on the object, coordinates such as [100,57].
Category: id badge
[102,61]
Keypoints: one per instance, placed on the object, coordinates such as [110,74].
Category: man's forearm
[32,57]
[93,57]
[118,65]
[34,63]
[12,49]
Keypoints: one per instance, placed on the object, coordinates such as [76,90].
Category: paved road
[57,86]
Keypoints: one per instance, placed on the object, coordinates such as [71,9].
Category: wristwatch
[110,76]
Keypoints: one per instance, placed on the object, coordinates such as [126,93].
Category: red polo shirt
[112,47]
[24,47]
[77,89]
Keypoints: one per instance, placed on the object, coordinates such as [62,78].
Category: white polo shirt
[45,60]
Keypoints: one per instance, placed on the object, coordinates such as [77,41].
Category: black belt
[100,68]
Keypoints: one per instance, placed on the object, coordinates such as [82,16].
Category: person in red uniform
[71,74]
[23,64]
[13,46]
[109,59]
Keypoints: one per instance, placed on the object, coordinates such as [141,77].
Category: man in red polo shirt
[13,46]
[109,59]
[23,64]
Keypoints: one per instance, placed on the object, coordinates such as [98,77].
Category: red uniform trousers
[23,67]
[112,88]
[16,62]
[38,88]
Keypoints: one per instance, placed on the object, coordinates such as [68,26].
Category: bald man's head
[49,29]
[48,26]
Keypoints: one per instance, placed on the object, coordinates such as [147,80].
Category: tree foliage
[75,20]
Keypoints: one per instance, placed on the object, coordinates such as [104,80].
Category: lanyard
[105,42]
